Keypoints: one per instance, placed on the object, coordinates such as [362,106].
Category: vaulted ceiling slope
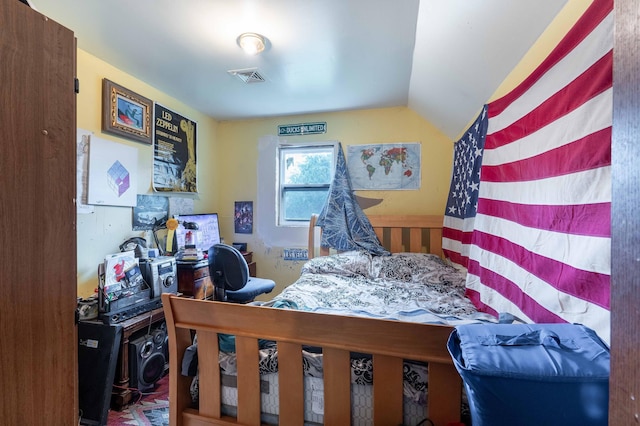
[442,58]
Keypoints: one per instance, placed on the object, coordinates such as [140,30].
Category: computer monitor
[208,230]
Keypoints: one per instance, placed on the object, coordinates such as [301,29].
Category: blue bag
[532,374]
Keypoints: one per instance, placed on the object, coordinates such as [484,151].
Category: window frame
[282,188]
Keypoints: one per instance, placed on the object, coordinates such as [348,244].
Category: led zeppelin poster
[174,152]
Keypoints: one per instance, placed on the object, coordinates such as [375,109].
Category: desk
[194,280]
[121,396]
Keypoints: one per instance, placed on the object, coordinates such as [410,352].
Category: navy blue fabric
[190,361]
[532,374]
[253,288]
[344,224]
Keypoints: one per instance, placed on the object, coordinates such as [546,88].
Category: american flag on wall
[540,243]
[462,203]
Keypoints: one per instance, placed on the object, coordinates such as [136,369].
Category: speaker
[98,346]
[147,359]
[162,330]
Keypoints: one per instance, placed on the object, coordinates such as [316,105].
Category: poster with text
[174,152]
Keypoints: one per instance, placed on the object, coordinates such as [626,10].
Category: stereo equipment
[161,274]
[147,359]
[124,296]
[131,311]
[98,346]
[162,328]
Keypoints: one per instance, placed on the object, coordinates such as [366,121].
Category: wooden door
[624,388]
[38,343]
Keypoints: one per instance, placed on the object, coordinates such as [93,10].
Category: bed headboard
[400,233]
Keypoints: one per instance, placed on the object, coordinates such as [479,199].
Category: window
[305,174]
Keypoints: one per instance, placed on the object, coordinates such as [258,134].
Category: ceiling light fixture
[252,43]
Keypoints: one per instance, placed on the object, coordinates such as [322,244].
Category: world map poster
[384,166]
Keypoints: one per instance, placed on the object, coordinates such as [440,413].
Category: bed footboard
[389,342]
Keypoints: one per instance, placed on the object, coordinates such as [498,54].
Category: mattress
[414,373]
[415,387]
[361,402]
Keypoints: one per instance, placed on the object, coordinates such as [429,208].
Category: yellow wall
[237,169]
[227,158]
[100,233]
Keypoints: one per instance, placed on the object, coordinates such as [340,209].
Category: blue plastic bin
[532,374]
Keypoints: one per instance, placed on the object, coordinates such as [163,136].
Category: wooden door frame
[624,389]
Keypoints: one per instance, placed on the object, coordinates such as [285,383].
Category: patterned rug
[151,410]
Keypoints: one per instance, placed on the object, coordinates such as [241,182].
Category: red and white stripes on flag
[541,240]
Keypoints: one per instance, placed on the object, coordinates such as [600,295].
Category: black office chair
[230,274]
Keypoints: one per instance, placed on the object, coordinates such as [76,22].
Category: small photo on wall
[243,217]
[149,211]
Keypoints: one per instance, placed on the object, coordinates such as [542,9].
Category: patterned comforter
[413,287]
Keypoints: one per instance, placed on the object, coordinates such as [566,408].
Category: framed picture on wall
[126,113]
[243,217]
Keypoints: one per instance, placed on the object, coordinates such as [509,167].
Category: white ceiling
[442,58]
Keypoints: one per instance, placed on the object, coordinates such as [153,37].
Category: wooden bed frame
[388,341]
[403,233]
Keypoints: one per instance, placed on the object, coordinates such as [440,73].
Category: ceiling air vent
[249,75]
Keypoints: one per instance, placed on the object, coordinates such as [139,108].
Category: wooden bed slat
[248,380]
[435,242]
[407,221]
[336,367]
[396,240]
[209,383]
[192,418]
[415,240]
[379,233]
[387,390]
[444,407]
[312,233]
[179,340]
[290,380]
